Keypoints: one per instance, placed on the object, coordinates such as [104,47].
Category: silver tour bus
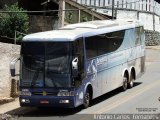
[70,66]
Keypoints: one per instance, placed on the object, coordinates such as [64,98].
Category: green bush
[13,21]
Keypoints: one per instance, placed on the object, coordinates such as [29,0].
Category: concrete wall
[150,22]
[157,23]
[7,53]
[140,5]
[133,9]
[39,23]
[147,20]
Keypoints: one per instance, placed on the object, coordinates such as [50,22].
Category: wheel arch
[90,88]
[125,73]
[133,72]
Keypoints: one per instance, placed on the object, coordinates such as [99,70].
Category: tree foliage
[13,21]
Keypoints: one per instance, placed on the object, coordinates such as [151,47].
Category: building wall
[150,22]
[147,20]
[141,5]
[7,53]
[133,9]
[157,23]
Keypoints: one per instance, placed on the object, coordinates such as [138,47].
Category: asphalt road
[142,99]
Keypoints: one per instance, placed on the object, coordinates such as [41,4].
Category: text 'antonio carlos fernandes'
[126,116]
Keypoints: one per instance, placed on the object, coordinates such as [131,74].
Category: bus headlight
[65,93]
[25,101]
[25,93]
[64,101]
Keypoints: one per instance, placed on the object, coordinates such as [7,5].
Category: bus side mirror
[75,67]
[12,66]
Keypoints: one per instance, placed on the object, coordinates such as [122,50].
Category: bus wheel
[131,81]
[124,86]
[86,99]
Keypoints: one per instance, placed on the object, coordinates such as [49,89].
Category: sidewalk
[4,100]
[11,105]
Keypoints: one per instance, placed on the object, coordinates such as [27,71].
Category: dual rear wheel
[128,82]
[131,81]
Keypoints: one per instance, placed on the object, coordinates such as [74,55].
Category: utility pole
[61,13]
[112,9]
[154,17]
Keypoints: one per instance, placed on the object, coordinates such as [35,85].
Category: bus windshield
[45,64]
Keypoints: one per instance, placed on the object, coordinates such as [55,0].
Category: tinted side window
[78,49]
[115,40]
[104,43]
[91,48]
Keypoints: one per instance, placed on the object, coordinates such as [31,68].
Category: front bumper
[48,101]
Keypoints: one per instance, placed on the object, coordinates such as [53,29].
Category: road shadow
[43,112]
[110,94]
[61,112]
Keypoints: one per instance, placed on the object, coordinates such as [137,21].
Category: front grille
[44,94]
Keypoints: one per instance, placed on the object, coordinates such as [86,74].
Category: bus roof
[73,31]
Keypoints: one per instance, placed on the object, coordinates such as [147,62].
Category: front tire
[86,99]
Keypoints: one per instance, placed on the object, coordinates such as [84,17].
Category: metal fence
[140,5]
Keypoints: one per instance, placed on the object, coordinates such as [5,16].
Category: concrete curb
[6,100]
[153,47]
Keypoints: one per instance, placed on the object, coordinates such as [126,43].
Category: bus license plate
[44,102]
